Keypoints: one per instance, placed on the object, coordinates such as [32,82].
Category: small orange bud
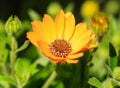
[100,23]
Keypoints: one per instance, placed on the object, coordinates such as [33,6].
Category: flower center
[60,48]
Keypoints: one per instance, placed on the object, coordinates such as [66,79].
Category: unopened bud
[116,73]
[100,23]
[12,25]
[89,7]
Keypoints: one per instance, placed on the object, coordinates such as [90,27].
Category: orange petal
[92,46]
[46,30]
[86,44]
[37,25]
[69,25]
[80,46]
[72,61]
[46,51]
[82,41]
[71,58]
[33,37]
[59,23]
[57,61]
[49,28]
[79,30]
[74,56]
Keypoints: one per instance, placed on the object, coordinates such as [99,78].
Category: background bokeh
[69,76]
[21,7]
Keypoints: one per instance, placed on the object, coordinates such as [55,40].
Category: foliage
[22,65]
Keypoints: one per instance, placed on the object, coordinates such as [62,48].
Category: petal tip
[72,61]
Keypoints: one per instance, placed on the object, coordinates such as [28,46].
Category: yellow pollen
[60,48]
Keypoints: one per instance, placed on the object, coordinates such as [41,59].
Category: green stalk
[86,68]
[12,54]
[4,69]
[19,85]
[50,79]
[85,75]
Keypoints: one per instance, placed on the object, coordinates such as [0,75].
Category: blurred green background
[70,75]
[21,7]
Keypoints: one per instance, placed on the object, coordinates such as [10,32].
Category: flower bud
[116,73]
[12,25]
[89,7]
[100,23]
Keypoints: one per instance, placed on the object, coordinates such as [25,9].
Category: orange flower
[61,40]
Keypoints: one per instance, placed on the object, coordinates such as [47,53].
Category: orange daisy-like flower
[61,40]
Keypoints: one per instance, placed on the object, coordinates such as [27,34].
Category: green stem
[4,69]
[12,54]
[18,82]
[50,79]
[86,68]
[86,76]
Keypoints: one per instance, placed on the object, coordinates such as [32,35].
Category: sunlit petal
[33,38]
[69,25]
[73,56]
[59,23]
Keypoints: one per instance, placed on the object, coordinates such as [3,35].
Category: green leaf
[53,8]
[112,51]
[119,83]
[113,25]
[24,46]
[113,57]
[69,7]
[22,74]
[2,26]
[4,54]
[19,67]
[43,61]
[32,68]
[116,73]
[109,70]
[4,85]
[34,15]
[113,62]
[60,85]
[95,82]
[57,84]
[114,83]
[7,79]
[3,37]
[45,72]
